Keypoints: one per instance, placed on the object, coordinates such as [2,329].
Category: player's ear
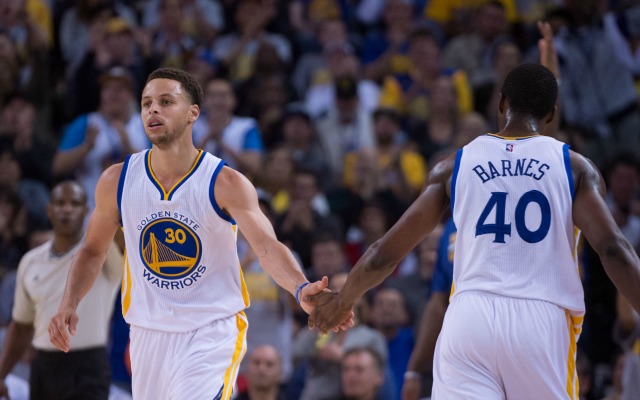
[551,114]
[194,112]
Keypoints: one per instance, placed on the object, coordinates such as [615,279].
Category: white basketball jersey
[181,265]
[511,200]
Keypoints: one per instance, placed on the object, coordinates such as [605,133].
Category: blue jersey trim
[123,173]
[214,203]
[567,167]
[454,178]
[147,168]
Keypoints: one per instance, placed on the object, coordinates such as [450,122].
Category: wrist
[410,375]
[299,289]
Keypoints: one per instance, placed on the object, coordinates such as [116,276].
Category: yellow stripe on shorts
[240,348]
[125,291]
[574,325]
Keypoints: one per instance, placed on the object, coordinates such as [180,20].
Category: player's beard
[165,140]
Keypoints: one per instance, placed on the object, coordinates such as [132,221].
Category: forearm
[621,264]
[368,272]
[66,161]
[282,267]
[84,272]
[16,342]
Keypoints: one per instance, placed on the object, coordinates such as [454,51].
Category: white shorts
[201,364]
[494,347]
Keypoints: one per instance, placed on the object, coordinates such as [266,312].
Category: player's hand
[411,389]
[330,314]
[4,390]
[317,293]
[62,324]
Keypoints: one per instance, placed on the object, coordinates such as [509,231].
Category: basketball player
[517,306]
[183,292]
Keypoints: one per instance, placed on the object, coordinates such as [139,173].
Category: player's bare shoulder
[232,188]
[107,188]
[442,172]
[585,173]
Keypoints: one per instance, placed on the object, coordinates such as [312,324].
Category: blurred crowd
[335,110]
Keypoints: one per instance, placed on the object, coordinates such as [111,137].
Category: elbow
[377,261]
[614,247]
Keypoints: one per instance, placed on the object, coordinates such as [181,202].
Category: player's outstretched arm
[87,263]
[237,196]
[383,256]
[592,216]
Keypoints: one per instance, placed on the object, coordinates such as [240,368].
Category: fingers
[58,332]
[58,336]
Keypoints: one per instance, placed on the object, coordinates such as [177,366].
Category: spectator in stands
[437,133]
[95,140]
[13,229]
[299,136]
[116,45]
[321,354]
[323,96]
[305,216]
[390,316]
[265,95]
[597,92]
[40,284]
[623,184]
[276,177]
[237,140]
[264,375]
[203,19]
[237,50]
[486,94]
[347,127]
[409,92]
[171,41]
[401,170]
[385,53]
[312,68]
[362,375]
[32,148]
[472,52]
[84,22]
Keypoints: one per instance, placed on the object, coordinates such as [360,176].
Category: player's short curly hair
[187,81]
[531,89]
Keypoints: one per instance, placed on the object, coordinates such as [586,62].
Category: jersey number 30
[500,228]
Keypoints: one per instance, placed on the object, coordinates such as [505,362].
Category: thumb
[73,322]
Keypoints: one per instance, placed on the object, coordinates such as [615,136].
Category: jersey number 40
[500,228]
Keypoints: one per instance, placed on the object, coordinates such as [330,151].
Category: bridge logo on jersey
[170,249]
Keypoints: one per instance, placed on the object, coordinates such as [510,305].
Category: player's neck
[517,125]
[174,162]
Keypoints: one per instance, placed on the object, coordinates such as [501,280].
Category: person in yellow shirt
[399,169]
[409,93]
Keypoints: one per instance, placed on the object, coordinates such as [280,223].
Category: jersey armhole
[567,167]
[212,197]
[123,174]
[454,178]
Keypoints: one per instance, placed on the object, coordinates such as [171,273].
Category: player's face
[166,111]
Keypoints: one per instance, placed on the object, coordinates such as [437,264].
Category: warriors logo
[170,249]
